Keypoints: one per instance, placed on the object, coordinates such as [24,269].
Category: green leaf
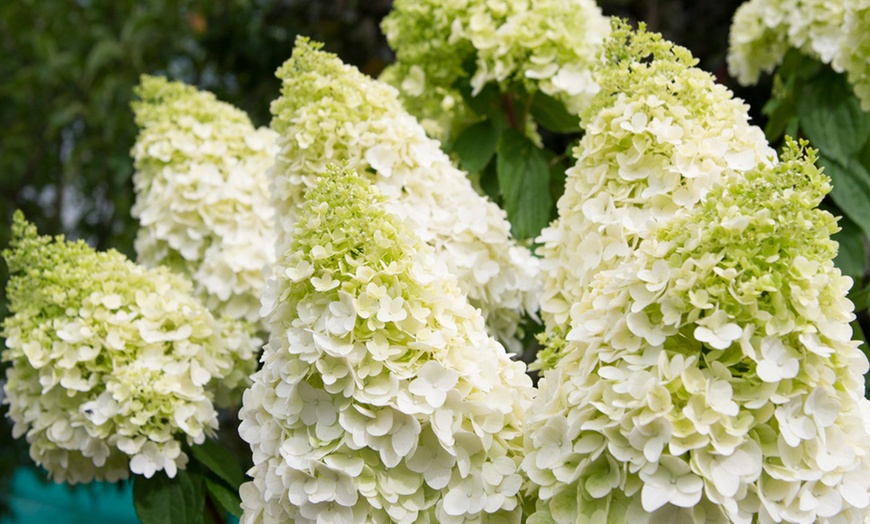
[860,298]
[797,65]
[851,189]
[220,461]
[476,145]
[489,183]
[781,115]
[831,117]
[483,103]
[858,334]
[558,176]
[788,82]
[226,498]
[851,258]
[161,500]
[551,114]
[524,178]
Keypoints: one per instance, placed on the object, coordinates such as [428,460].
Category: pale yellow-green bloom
[112,366]
[834,32]
[331,112]
[202,194]
[712,372]
[659,136]
[542,45]
[704,370]
[381,397]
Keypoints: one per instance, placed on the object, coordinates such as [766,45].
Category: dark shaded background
[68,68]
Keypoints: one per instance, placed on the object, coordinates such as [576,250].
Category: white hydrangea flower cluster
[381,397]
[112,366]
[834,32]
[543,45]
[331,112]
[711,377]
[202,194]
[855,48]
[658,137]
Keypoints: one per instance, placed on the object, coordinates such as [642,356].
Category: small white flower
[342,315]
[392,309]
[777,362]
[794,425]
[672,482]
[717,331]
[433,382]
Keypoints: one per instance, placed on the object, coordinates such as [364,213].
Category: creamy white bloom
[331,112]
[112,366]
[694,384]
[834,32]
[410,416]
[658,138]
[202,195]
[542,45]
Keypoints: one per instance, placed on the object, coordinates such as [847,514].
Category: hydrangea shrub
[835,33]
[543,45]
[660,135]
[331,112]
[202,194]
[381,398]
[112,366]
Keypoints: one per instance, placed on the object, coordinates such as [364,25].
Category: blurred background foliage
[68,68]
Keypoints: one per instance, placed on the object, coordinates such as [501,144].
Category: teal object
[34,500]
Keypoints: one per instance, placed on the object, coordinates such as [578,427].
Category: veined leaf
[851,257]
[161,500]
[477,143]
[831,117]
[524,178]
[851,189]
[220,461]
[226,498]
[551,114]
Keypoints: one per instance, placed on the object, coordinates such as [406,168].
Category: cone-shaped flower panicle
[112,366]
[834,32]
[541,45]
[659,135]
[331,112]
[711,377]
[202,194]
[381,398]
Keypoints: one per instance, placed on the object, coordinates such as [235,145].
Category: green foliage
[205,491]
[228,499]
[161,500]
[831,116]
[219,461]
[476,144]
[551,114]
[512,151]
[524,178]
[223,475]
